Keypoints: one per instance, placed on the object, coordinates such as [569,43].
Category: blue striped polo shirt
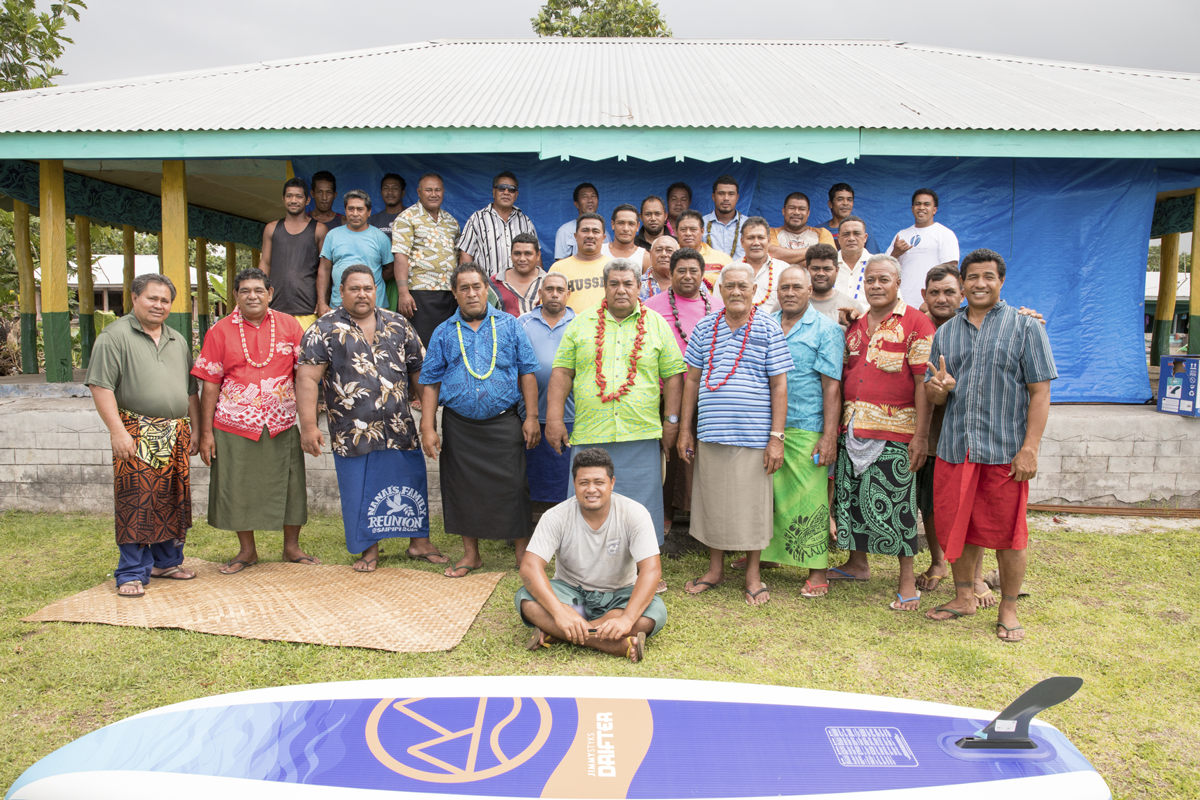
[739,413]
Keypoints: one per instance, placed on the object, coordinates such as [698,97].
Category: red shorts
[978,504]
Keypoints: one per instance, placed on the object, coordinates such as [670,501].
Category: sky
[127,38]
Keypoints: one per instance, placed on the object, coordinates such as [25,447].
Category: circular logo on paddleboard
[457,740]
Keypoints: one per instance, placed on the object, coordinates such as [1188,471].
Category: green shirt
[147,379]
[636,415]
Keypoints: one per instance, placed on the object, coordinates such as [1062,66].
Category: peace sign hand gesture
[941,383]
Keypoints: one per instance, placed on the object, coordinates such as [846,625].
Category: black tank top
[294,261]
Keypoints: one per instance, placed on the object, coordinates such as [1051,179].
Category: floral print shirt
[366,384]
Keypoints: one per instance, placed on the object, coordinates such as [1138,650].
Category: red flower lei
[631,376]
[713,349]
[770,282]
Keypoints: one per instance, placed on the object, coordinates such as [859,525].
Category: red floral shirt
[878,386]
[252,397]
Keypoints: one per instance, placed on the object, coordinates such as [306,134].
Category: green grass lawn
[1116,610]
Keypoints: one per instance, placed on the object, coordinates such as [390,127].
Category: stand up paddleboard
[573,739]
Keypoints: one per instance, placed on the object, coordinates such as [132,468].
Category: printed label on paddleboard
[870,747]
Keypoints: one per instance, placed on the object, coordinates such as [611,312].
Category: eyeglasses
[505,187]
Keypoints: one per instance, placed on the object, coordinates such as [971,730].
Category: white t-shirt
[638,255]
[932,245]
[831,306]
[850,276]
[596,561]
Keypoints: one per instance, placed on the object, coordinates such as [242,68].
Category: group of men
[787,377]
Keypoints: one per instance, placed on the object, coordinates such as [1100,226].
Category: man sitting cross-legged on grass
[602,594]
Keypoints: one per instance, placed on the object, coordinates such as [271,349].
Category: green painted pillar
[56,315]
[26,289]
[1194,297]
[1164,311]
[87,296]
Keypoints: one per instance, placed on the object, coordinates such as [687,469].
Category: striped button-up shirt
[988,409]
[488,238]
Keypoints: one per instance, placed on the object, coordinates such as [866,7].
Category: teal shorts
[596,604]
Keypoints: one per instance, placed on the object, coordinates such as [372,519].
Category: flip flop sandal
[172,572]
[662,587]
[142,593]
[426,557]
[303,559]
[751,595]
[637,647]
[698,582]
[932,582]
[844,576]
[956,614]
[1005,639]
[900,599]
[367,562]
[245,566]
[537,641]
[810,594]
[980,597]
[469,570]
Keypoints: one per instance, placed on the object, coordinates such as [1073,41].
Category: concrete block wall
[55,455]
[1118,455]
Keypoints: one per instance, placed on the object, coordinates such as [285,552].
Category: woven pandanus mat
[401,610]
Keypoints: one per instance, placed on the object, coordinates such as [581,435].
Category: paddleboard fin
[1010,730]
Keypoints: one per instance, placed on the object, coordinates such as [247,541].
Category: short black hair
[463,269]
[403,183]
[592,457]
[528,238]
[686,254]
[325,175]
[440,179]
[929,192]
[661,202]
[589,215]
[356,194]
[624,207]
[797,196]
[980,256]
[580,188]
[840,187]
[142,281]
[941,272]
[506,174]
[250,274]
[853,218]
[680,185]
[727,180]
[296,183]
[691,213]
[821,252]
[356,269]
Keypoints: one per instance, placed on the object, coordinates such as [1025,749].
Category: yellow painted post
[1164,311]
[26,288]
[130,251]
[87,297]
[56,315]
[230,271]
[1194,297]
[174,249]
[255,257]
[204,313]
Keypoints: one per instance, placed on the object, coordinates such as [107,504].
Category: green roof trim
[109,203]
[821,145]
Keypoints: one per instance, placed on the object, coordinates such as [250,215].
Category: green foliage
[602,18]
[1154,260]
[30,42]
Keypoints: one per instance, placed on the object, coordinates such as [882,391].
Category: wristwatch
[778,435]
[673,419]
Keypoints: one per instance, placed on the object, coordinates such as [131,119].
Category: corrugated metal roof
[614,83]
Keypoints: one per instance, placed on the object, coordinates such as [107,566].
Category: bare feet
[131,589]
[759,596]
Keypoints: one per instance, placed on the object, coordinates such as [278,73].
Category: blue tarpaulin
[1073,231]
